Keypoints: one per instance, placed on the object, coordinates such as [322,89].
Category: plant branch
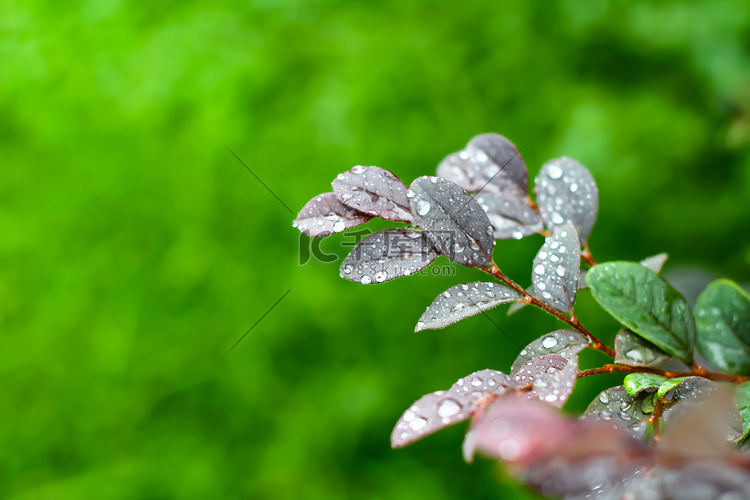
[719,377]
[595,343]
[655,417]
[586,255]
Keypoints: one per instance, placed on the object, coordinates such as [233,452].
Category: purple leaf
[490,163]
[511,430]
[510,214]
[634,350]
[325,215]
[556,267]
[453,220]
[374,191]
[443,408]
[699,425]
[388,255]
[462,301]
[616,407]
[696,392]
[565,343]
[567,194]
[552,378]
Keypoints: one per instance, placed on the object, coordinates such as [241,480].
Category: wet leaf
[669,385]
[644,302]
[374,191]
[635,383]
[655,262]
[551,377]
[453,220]
[742,398]
[648,404]
[698,390]
[567,194]
[490,163]
[462,301]
[632,350]
[565,343]
[556,266]
[325,215]
[443,408]
[722,315]
[388,255]
[616,407]
[701,427]
[510,430]
[511,215]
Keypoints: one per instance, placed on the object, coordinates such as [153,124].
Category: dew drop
[339,226]
[365,280]
[557,218]
[539,269]
[635,355]
[347,269]
[381,276]
[554,172]
[418,424]
[573,187]
[423,207]
[459,307]
[409,416]
[410,194]
[448,408]
[560,270]
[549,342]
[476,381]
[517,235]
[358,169]
[604,398]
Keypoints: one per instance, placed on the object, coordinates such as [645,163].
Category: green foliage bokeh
[135,250]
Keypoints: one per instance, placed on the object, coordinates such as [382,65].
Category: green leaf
[641,300]
[648,404]
[667,386]
[742,398]
[635,383]
[722,316]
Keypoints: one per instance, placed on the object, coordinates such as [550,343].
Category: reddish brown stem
[720,377]
[595,343]
[586,255]
[655,418]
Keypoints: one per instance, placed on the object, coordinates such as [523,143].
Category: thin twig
[595,343]
[719,377]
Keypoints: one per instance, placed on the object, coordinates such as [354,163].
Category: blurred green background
[135,250]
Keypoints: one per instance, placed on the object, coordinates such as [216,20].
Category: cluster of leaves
[637,439]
